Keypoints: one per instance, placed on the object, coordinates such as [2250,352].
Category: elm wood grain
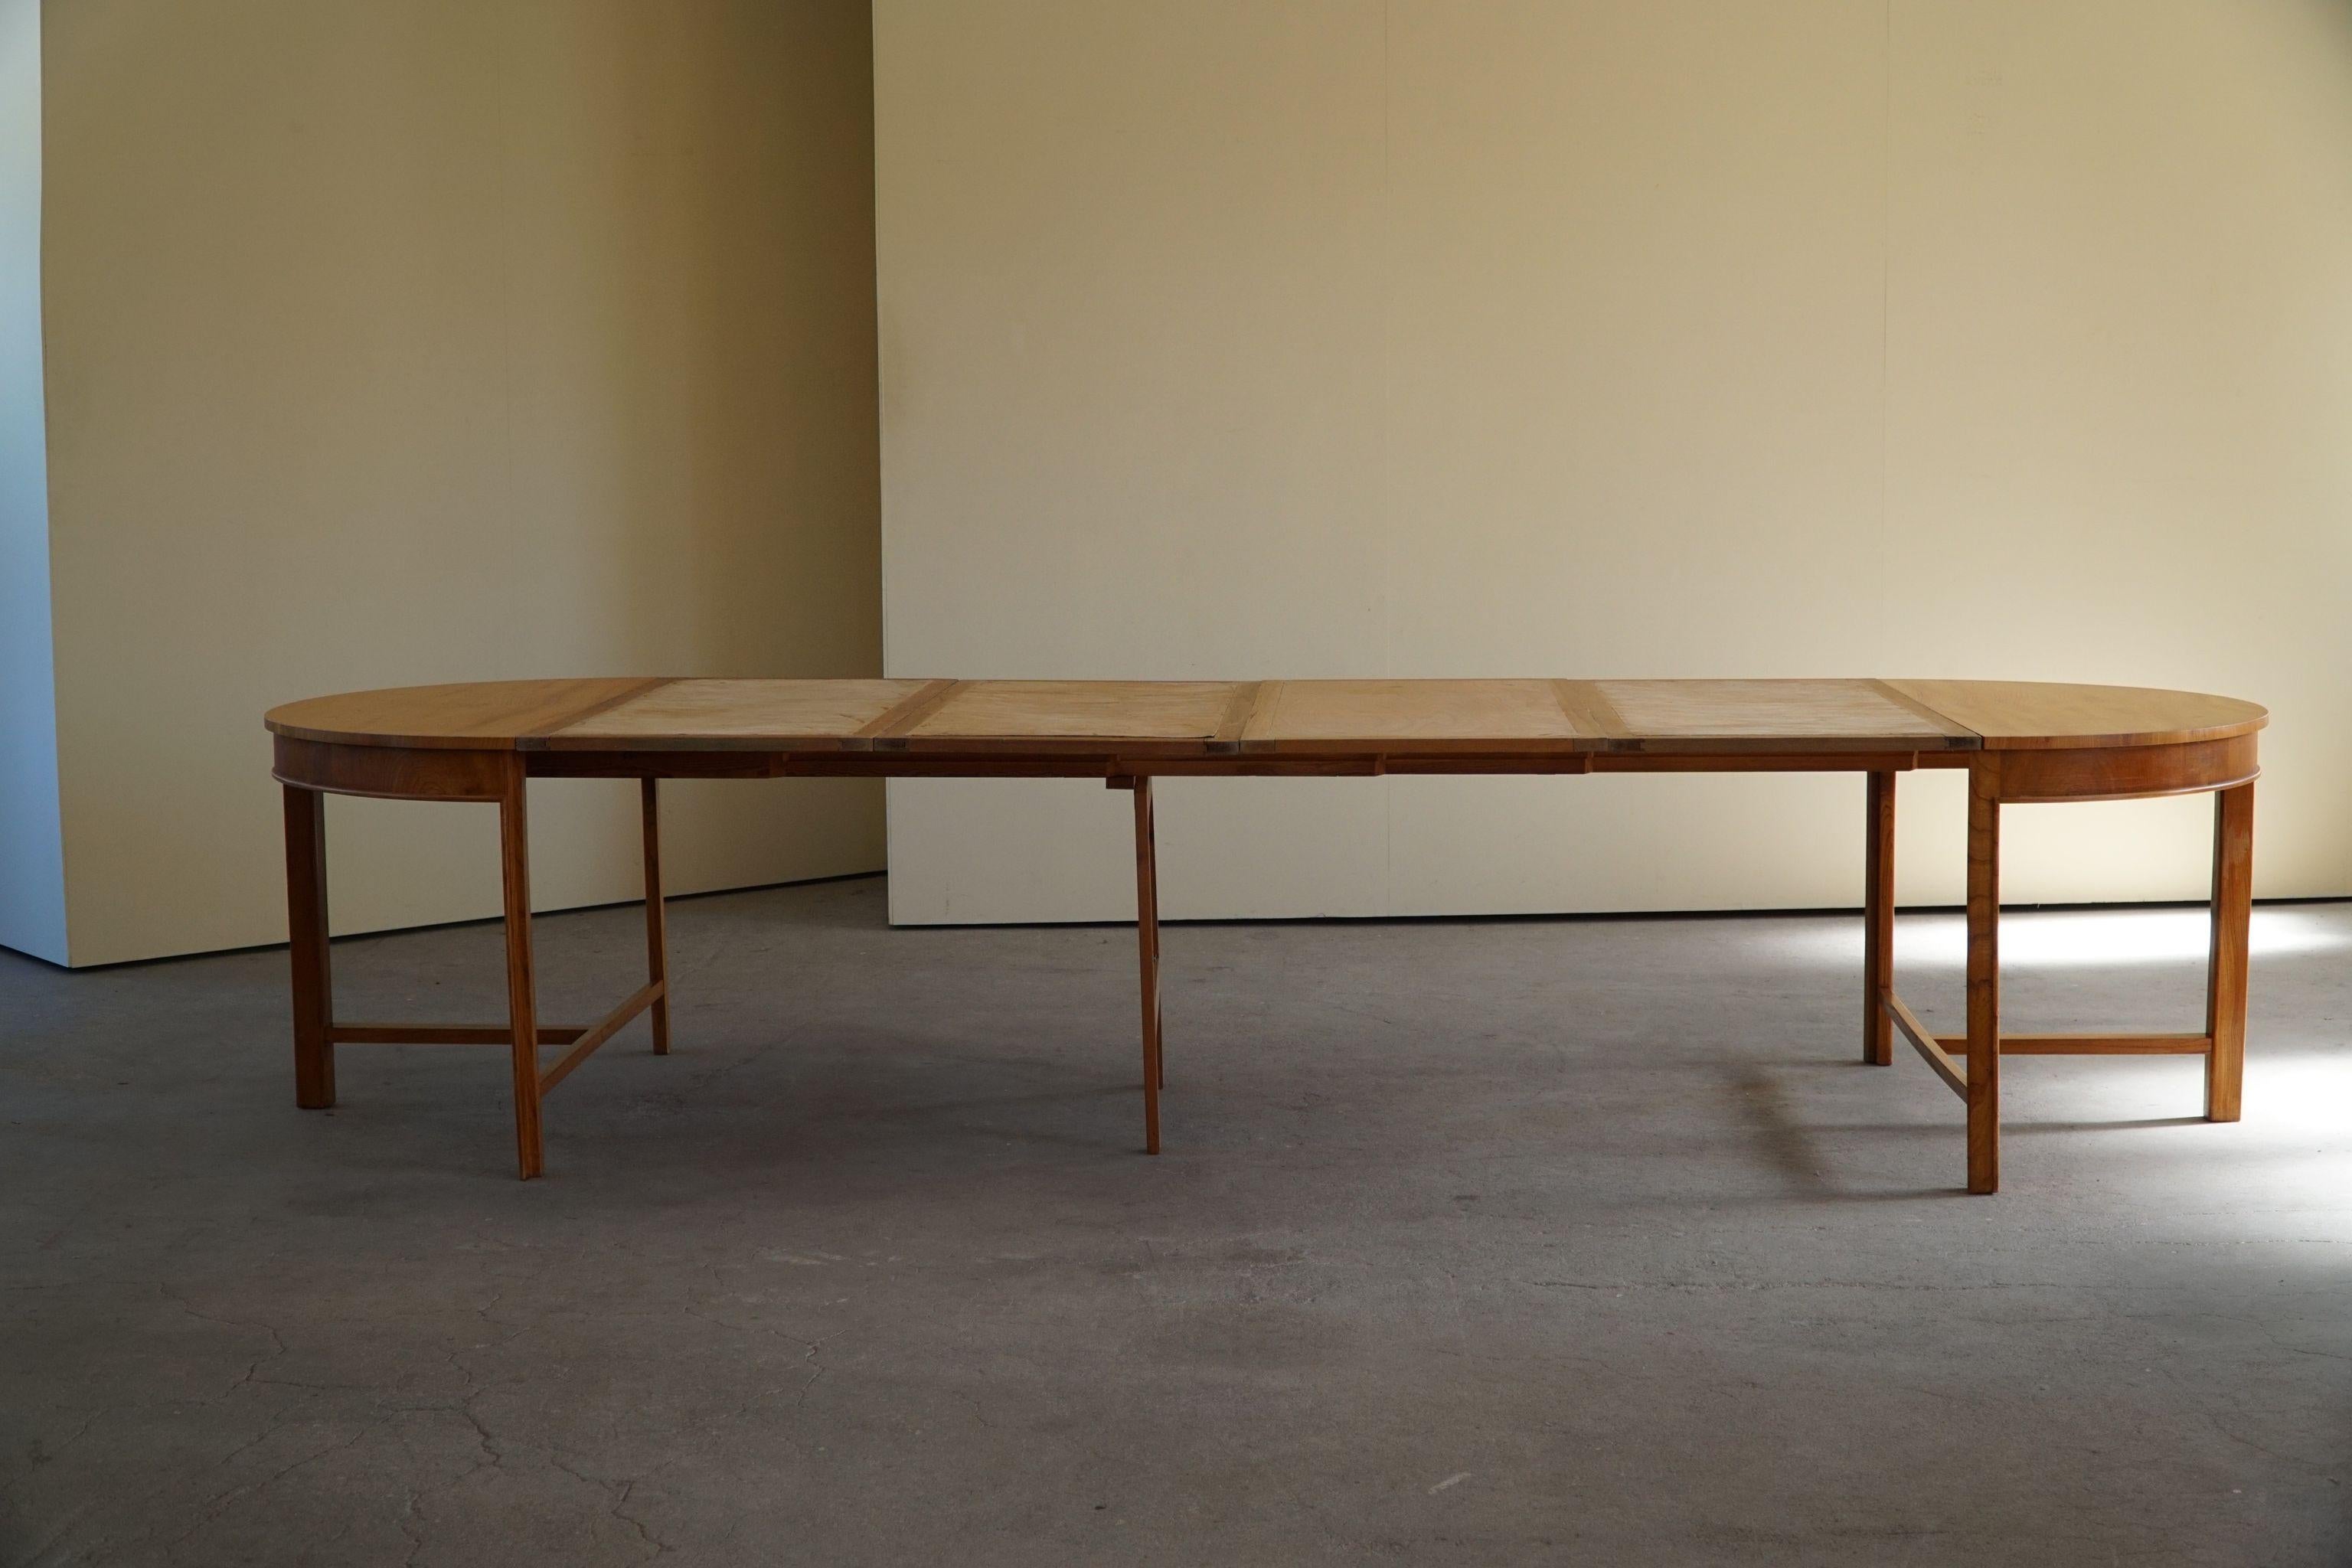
[1877,917]
[637,1001]
[1148,716]
[2125,772]
[2036,715]
[1931,1049]
[2094,1045]
[1038,748]
[1268,693]
[448,1034]
[1427,718]
[1731,716]
[646,762]
[1983,1086]
[1262,764]
[389,773]
[316,1032]
[497,1034]
[503,715]
[306,931]
[1241,766]
[1082,763]
[1946,725]
[1147,942]
[1079,763]
[539,732]
[522,1000]
[1241,712]
[656,914]
[1465,763]
[1672,761]
[2225,975]
[1157,989]
[1131,732]
[1132,763]
[759,715]
[491,715]
[902,718]
[1589,709]
[2222,1043]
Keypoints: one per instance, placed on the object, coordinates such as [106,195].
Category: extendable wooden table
[2019,742]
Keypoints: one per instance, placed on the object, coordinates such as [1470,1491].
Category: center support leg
[1147,939]
[522,1003]
[656,931]
[2225,976]
[1878,920]
[1984,980]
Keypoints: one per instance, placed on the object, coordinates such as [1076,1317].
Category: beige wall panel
[1633,372]
[1232,339]
[2119,378]
[401,342]
[1132,362]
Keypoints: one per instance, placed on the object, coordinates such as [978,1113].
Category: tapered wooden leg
[2225,978]
[305,932]
[1878,920]
[656,929]
[1147,934]
[1984,980]
[1159,995]
[522,1003]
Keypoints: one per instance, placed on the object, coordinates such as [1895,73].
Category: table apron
[2021,776]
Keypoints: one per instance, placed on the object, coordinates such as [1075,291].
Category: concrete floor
[1558,1241]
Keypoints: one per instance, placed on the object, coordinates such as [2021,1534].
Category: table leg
[1147,934]
[1878,920]
[2225,978]
[1159,993]
[305,932]
[1984,980]
[522,1006]
[656,929]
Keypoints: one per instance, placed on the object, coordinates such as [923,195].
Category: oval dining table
[2019,742]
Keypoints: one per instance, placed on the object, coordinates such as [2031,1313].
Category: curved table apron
[2022,741]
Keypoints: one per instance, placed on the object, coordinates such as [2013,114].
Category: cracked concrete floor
[1562,1241]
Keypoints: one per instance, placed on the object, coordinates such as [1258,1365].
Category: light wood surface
[2033,713]
[1807,711]
[715,712]
[1417,718]
[1306,715]
[2020,743]
[483,714]
[989,713]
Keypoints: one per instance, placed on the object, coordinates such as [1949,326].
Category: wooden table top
[1278,718]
